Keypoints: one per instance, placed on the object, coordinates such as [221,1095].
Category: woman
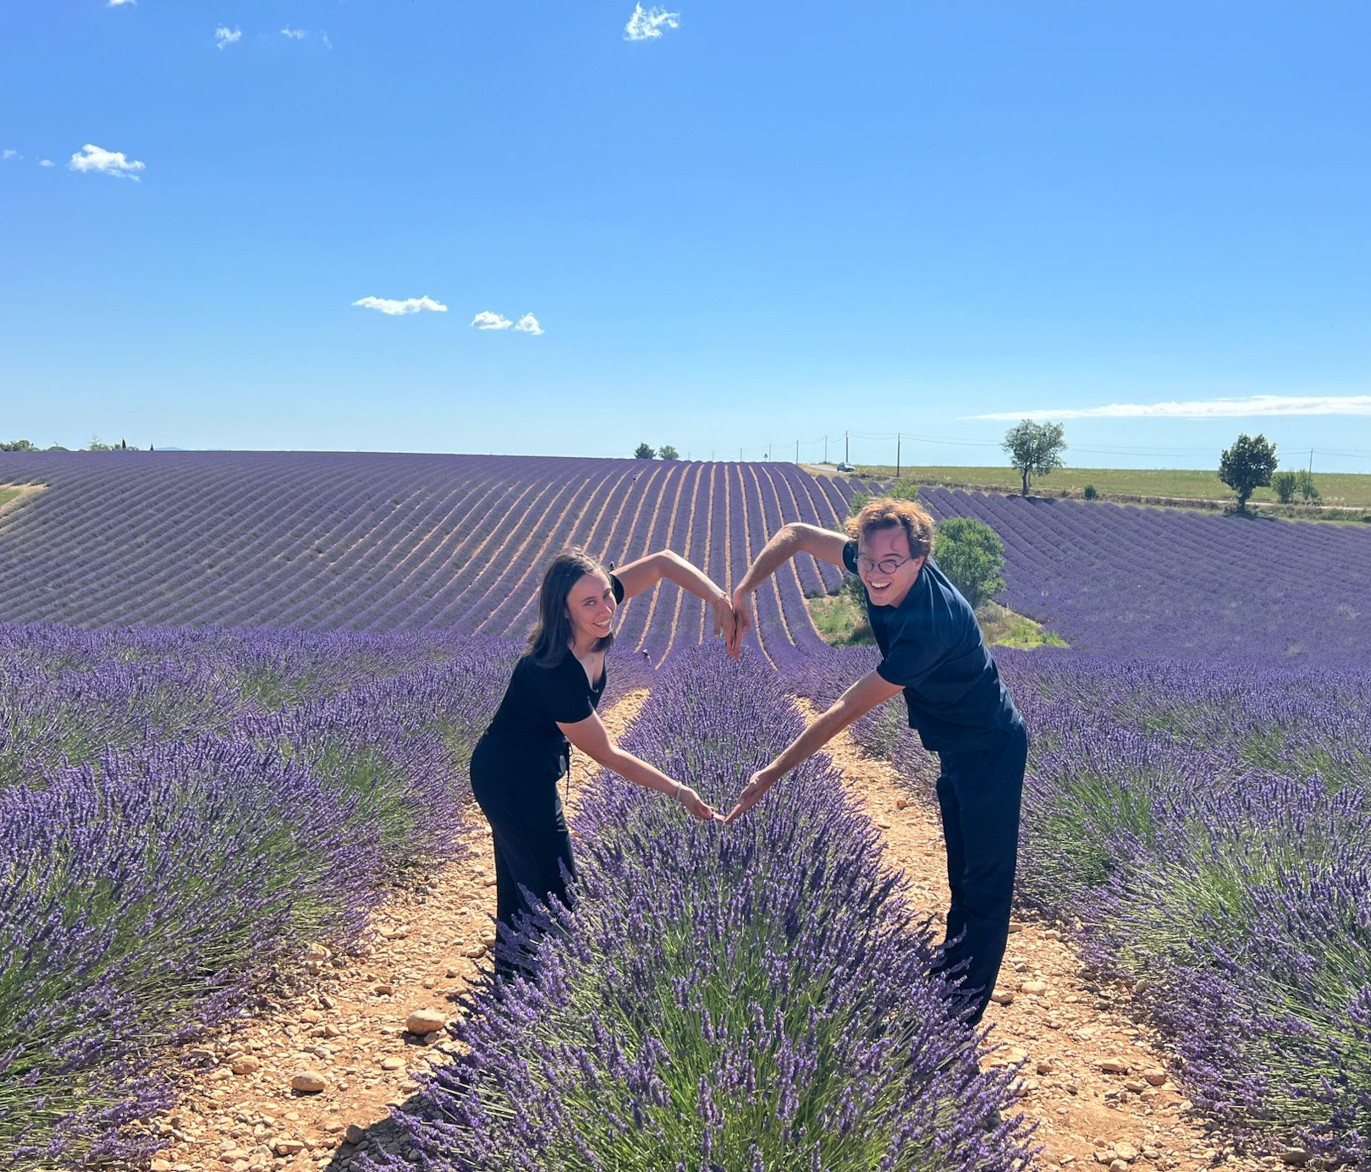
[550,701]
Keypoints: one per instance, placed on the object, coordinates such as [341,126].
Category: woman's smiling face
[590,607]
[885,566]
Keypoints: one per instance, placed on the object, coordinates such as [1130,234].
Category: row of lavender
[1207,825]
[179,813]
[1129,581]
[743,998]
[384,542]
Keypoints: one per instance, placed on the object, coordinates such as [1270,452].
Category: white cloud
[92,158]
[327,43]
[8,154]
[643,26]
[399,308]
[295,34]
[119,3]
[225,36]
[1234,408]
[46,163]
[486,320]
[528,324]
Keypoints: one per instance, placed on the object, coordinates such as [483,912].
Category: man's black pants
[979,793]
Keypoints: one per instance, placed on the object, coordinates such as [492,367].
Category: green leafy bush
[971,554]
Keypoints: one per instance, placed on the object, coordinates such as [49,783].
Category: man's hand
[742,622]
[757,785]
[698,806]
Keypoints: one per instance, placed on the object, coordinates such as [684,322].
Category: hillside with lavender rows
[239,691]
[375,542]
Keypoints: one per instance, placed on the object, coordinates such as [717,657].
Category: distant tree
[1283,484]
[18,446]
[1247,466]
[667,452]
[1034,448]
[98,445]
[56,448]
[971,554]
[644,452]
[1304,482]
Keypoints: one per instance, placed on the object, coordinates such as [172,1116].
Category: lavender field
[373,542]
[238,692]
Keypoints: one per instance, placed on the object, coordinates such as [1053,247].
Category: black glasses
[885,565]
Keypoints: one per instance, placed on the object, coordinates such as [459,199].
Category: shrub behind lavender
[753,997]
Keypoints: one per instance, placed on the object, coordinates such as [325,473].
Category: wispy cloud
[327,43]
[486,320]
[1230,408]
[119,3]
[8,154]
[528,324]
[46,163]
[93,158]
[225,36]
[399,308]
[645,25]
[295,34]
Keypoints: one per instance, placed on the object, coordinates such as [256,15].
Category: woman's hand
[697,805]
[724,620]
[742,622]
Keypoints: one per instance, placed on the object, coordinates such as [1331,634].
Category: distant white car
[846,468]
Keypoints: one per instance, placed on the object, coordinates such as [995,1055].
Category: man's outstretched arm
[859,699]
[796,537]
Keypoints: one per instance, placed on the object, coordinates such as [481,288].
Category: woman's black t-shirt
[521,756]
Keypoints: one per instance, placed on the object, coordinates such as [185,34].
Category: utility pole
[797,451]
[897,455]
[825,449]
[847,449]
[1311,461]
[740,455]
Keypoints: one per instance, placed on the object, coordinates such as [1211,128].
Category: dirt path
[1092,1080]
[238,1110]
[12,495]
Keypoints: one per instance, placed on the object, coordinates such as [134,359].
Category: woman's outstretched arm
[593,739]
[642,575]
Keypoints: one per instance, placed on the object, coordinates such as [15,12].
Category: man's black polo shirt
[931,646]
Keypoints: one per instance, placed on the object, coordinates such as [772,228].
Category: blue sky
[766,223]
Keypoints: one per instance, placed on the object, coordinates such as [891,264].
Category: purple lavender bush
[144,896]
[152,884]
[750,997]
[1210,830]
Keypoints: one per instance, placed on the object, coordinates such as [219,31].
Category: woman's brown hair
[550,640]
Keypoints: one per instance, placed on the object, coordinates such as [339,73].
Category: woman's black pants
[979,794]
[529,857]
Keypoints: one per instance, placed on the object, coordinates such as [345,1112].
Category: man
[932,651]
